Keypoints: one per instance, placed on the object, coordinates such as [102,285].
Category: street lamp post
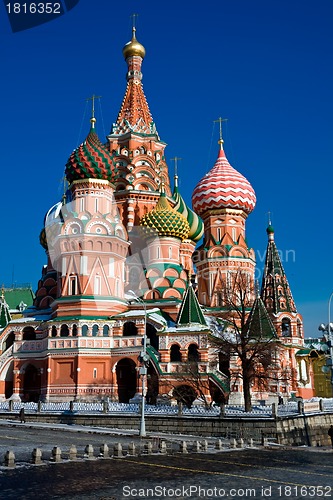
[329,330]
[143,368]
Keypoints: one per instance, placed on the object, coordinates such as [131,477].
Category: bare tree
[247,333]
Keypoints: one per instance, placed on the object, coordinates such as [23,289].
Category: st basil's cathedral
[129,263]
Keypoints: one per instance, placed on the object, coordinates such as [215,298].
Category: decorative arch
[286,327]
[129,329]
[9,341]
[175,354]
[28,333]
[193,354]
[31,383]
[126,379]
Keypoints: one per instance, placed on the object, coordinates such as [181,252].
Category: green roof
[190,310]
[15,296]
[259,324]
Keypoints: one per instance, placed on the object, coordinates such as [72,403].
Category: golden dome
[165,220]
[134,48]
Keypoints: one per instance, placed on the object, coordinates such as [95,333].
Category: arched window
[106,330]
[129,329]
[193,353]
[29,333]
[64,331]
[175,354]
[286,327]
[84,330]
[74,331]
[95,330]
[54,331]
[9,341]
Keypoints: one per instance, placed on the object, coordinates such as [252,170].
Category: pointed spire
[175,159]
[221,141]
[190,311]
[258,324]
[92,99]
[134,114]
[275,290]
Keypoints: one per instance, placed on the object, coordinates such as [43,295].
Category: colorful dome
[223,187]
[166,221]
[195,223]
[91,160]
[134,48]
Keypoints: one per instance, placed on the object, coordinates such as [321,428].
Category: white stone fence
[107,407]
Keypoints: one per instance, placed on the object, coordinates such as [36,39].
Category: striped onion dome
[165,220]
[195,223]
[91,160]
[223,187]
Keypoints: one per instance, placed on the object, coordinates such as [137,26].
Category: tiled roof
[223,187]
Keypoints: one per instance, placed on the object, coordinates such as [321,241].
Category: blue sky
[264,65]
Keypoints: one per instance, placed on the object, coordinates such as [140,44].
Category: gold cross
[93,103]
[220,120]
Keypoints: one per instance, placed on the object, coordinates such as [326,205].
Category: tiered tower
[87,243]
[136,146]
[223,198]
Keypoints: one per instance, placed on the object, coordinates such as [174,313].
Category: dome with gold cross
[165,221]
[91,160]
[134,48]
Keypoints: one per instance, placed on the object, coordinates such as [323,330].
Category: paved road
[302,473]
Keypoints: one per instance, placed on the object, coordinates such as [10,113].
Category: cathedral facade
[124,270]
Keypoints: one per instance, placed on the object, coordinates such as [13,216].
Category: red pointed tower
[223,199]
[276,293]
[136,146]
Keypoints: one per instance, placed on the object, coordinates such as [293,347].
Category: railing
[113,408]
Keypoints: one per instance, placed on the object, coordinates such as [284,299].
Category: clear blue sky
[264,65]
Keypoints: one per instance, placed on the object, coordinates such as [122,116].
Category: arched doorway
[31,384]
[126,379]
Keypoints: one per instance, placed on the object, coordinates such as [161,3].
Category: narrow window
[82,204]
[111,267]
[72,285]
[64,266]
[84,265]
[97,285]
[95,373]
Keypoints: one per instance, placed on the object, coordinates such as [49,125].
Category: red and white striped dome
[223,187]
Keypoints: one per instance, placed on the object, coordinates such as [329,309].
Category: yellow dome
[166,221]
[134,48]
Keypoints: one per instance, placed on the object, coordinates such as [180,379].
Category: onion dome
[195,223]
[42,238]
[223,187]
[166,221]
[134,48]
[53,222]
[91,160]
